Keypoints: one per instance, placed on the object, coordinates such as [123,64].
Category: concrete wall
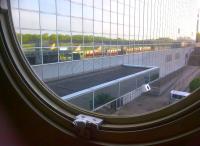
[167,60]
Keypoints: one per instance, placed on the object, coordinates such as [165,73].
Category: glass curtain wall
[66,30]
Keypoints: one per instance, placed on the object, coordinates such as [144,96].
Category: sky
[185,15]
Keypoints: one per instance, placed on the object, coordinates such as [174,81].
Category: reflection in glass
[15,4]
[77,39]
[88,12]
[88,26]
[77,1]
[106,5]
[88,52]
[65,54]
[63,23]
[88,2]
[63,7]
[106,39]
[76,24]
[97,14]
[48,6]
[64,39]
[106,50]
[31,44]
[15,15]
[88,39]
[77,53]
[50,55]
[33,55]
[113,32]
[98,27]
[114,6]
[76,10]
[48,22]
[98,4]
[106,16]
[18,34]
[25,4]
[98,39]
[98,51]
[49,39]
[31,38]
[29,20]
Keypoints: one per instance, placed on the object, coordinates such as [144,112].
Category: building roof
[83,81]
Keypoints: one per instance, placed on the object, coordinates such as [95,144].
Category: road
[148,103]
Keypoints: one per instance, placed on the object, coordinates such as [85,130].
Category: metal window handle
[86,126]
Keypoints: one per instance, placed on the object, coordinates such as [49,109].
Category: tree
[194,84]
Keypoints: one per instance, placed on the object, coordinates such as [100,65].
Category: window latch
[87,126]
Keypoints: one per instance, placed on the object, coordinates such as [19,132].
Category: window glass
[106,40]
[30,4]
[77,39]
[88,39]
[48,6]
[98,42]
[106,16]
[63,23]
[63,7]
[50,55]
[48,22]
[76,24]
[49,39]
[98,50]
[120,8]
[114,40]
[88,2]
[78,53]
[120,19]
[98,4]
[88,26]
[98,14]
[97,27]
[15,4]
[65,54]
[82,37]
[120,30]
[15,14]
[88,12]
[18,34]
[106,5]
[76,10]
[113,5]
[31,44]
[64,39]
[114,18]
[106,28]
[77,1]
[31,38]
[29,20]
[114,28]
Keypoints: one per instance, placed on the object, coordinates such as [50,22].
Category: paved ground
[80,82]
[147,103]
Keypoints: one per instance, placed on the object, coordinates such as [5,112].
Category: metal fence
[111,93]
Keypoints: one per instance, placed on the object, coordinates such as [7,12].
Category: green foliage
[34,39]
[194,84]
